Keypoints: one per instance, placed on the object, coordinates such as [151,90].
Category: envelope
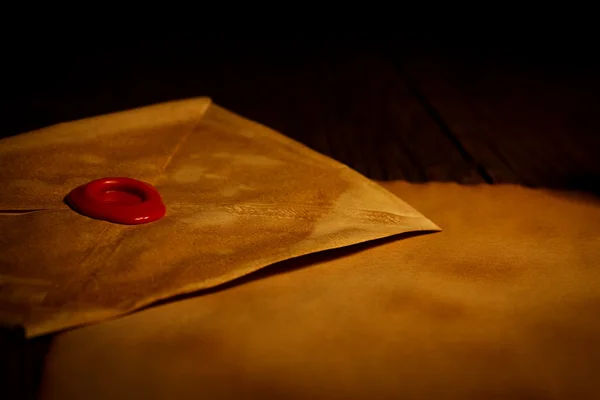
[504,303]
[239,197]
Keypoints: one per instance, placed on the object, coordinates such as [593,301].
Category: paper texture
[503,304]
[239,196]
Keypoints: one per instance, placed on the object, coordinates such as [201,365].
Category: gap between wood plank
[437,118]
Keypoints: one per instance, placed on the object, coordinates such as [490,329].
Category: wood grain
[379,108]
[524,124]
[349,103]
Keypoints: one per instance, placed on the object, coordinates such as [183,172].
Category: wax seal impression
[119,200]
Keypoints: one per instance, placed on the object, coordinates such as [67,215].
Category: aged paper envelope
[239,197]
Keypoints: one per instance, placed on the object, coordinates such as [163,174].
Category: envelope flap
[37,169]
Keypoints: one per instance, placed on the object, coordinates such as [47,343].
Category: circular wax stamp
[119,200]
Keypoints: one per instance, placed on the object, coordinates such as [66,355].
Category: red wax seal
[120,200]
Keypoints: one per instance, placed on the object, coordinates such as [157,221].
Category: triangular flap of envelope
[37,169]
[239,197]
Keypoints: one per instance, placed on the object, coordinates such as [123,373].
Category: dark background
[466,107]
[470,108]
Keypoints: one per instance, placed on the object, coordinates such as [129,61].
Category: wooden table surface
[389,109]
